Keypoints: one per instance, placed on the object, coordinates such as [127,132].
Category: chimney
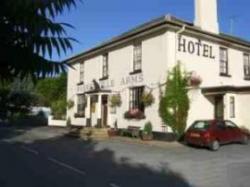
[206,15]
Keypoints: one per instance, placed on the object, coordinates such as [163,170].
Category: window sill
[247,78]
[135,72]
[77,115]
[104,78]
[225,75]
[80,83]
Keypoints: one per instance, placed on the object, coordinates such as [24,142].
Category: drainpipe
[177,36]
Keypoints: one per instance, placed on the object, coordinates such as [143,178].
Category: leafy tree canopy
[51,89]
[29,32]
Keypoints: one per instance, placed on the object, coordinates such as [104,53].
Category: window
[223,61]
[201,125]
[247,66]
[232,107]
[81,72]
[105,66]
[137,57]
[135,96]
[230,124]
[81,104]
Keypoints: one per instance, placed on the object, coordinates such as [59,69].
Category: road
[45,157]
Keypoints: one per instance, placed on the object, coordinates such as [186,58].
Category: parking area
[117,163]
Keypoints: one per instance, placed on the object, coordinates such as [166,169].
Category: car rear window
[200,125]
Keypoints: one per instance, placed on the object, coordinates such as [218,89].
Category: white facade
[164,42]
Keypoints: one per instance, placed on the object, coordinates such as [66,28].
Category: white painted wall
[159,54]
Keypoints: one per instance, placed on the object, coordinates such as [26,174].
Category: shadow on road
[102,167]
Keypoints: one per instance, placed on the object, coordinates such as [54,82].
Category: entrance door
[104,110]
[219,107]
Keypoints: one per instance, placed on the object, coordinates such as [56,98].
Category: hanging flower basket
[147,99]
[194,79]
[115,101]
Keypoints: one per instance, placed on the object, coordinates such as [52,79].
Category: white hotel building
[139,60]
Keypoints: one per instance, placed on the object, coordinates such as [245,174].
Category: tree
[29,32]
[174,104]
[51,89]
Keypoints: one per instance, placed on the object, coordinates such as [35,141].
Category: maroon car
[213,133]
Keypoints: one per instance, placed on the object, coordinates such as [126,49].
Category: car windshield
[200,125]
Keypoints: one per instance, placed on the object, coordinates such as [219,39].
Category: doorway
[104,110]
[219,107]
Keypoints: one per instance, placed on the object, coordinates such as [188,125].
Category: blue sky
[98,20]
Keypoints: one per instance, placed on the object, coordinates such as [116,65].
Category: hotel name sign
[197,47]
[131,80]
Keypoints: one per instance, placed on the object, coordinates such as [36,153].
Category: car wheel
[215,145]
[244,140]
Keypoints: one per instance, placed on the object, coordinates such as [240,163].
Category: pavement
[45,157]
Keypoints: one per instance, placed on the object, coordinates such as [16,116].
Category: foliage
[70,104]
[16,103]
[51,89]
[134,114]
[147,99]
[115,100]
[148,129]
[59,109]
[29,33]
[174,104]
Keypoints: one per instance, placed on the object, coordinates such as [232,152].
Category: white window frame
[135,94]
[81,104]
[81,72]
[137,57]
[105,65]
[224,62]
[246,65]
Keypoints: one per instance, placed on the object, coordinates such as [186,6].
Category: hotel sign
[198,48]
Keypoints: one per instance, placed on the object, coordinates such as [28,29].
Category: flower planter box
[113,132]
[147,137]
[134,114]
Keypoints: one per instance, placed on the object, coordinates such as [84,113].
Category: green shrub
[59,109]
[148,129]
[174,104]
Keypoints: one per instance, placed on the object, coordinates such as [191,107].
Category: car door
[233,131]
[221,132]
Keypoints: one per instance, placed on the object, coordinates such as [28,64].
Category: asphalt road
[44,157]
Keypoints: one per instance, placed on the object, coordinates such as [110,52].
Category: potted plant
[134,114]
[147,133]
[113,131]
